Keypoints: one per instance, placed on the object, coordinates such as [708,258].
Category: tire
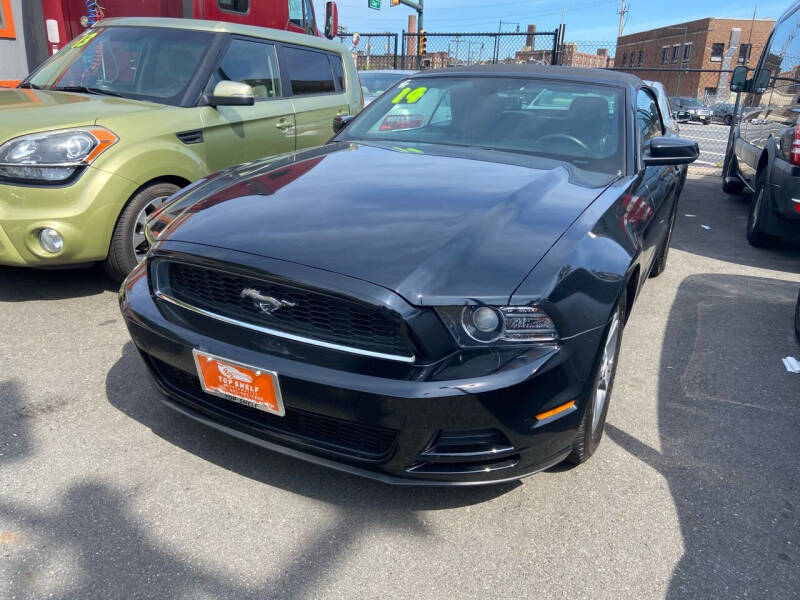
[128,245]
[797,318]
[590,430]
[759,205]
[728,120]
[660,263]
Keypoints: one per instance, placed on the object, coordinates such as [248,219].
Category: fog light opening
[50,240]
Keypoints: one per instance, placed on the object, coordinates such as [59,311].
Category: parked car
[723,111]
[764,156]
[107,129]
[374,83]
[690,109]
[449,309]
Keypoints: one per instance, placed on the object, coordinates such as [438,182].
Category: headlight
[498,325]
[54,156]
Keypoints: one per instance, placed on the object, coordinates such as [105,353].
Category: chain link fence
[372,50]
[444,50]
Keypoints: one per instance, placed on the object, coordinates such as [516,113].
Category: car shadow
[728,417]
[708,219]
[20,284]
[129,389]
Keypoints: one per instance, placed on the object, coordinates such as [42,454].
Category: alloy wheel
[606,374]
[138,239]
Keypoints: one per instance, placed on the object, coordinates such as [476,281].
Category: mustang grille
[347,437]
[305,312]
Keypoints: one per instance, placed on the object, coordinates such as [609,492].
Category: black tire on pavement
[728,119]
[590,431]
[797,318]
[759,205]
[660,263]
[121,257]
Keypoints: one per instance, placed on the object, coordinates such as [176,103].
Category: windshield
[143,63]
[572,122]
[374,84]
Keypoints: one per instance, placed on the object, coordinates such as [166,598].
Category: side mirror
[341,122]
[232,93]
[670,151]
[760,82]
[331,20]
[739,79]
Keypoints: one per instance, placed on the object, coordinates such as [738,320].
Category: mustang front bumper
[468,419]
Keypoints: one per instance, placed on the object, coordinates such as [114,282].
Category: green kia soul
[106,130]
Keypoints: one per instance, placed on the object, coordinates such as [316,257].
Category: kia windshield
[571,122]
[142,63]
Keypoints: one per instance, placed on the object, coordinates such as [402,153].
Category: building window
[687,52]
[744,53]
[624,58]
[717,50]
[240,6]
[641,57]
[6,20]
[675,51]
[710,94]
[664,55]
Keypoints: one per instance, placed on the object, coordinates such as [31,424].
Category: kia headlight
[473,326]
[52,157]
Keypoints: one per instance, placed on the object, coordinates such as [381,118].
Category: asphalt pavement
[712,140]
[693,493]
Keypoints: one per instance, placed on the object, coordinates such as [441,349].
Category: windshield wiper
[31,86]
[87,90]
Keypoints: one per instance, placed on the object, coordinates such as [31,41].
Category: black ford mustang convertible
[437,296]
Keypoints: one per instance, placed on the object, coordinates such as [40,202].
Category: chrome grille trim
[282,334]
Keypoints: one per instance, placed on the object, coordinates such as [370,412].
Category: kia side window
[310,72]
[338,70]
[253,63]
[648,119]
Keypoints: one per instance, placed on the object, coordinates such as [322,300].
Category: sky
[586,20]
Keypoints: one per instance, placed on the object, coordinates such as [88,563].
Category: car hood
[434,227]
[24,110]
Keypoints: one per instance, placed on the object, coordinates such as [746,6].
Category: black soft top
[602,76]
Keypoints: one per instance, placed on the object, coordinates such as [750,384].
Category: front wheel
[728,120]
[590,431]
[128,243]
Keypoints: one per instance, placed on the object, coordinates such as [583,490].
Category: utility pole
[622,12]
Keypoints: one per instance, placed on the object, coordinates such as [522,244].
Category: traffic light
[423,41]
[395,2]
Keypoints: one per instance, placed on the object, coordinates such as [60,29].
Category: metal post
[394,62]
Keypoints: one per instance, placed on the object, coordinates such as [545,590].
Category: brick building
[712,43]
[570,56]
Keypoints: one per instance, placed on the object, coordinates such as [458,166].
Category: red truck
[48,25]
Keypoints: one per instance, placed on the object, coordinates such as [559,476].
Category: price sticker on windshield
[409,96]
[85,39]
